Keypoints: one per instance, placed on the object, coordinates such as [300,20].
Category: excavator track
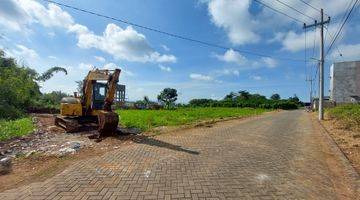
[70,125]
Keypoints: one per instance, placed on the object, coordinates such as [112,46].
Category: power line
[310,5]
[331,38]
[278,11]
[305,52]
[313,7]
[287,5]
[342,25]
[172,34]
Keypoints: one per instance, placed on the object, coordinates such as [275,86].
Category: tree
[53,98]
[230,96]
[275,97]
[294,99]
[168,96]
[80,85]
[19,87]
[49,73]
[243,94]
[146,101]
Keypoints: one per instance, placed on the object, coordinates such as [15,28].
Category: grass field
[148,119]
[13,128]
[348,115]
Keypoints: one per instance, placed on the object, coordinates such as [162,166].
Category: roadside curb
[349,169]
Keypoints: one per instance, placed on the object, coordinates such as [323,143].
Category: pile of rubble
[47,140]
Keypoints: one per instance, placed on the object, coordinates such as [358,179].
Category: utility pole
[311,88]
[321,64]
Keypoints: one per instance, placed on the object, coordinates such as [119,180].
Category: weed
[14,128]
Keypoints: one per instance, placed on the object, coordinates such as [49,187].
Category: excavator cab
[98,94]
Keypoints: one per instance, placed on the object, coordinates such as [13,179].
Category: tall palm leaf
[50,72]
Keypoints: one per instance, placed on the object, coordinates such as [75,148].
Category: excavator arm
[107,119]
[111,89]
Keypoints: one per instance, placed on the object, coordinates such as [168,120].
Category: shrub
[348,115]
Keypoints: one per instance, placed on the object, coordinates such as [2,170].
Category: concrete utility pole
[321,65]
[311,89]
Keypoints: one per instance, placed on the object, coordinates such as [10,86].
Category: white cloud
[200,77]
[12,15]
[86,66]
[51,34]
[124,44]
[294,42]
[112,66]
[52,57]
[278,37]
[350,52]
[165,68]
[166,48]
[229,72]
[23,53]
[269,62]
[232,56]
[256,78]
[99,58]
[234,17]
[17,14]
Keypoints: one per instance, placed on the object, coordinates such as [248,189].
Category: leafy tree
[275,97]
[168,96]
[52,99]
[232,95]
[80,85]
[49,73]
[245,99]
[19,86]
[146,101]
[143,104]
[294,99]
[243,94]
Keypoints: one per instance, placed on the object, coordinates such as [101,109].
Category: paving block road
[280,155]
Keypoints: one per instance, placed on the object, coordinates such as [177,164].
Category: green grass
[148,119]
[13,128]
[348,115]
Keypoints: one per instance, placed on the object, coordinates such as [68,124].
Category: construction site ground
[280,155]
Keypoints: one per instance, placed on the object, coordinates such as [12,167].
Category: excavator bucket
[108,123]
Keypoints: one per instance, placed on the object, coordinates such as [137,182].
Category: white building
[345,82]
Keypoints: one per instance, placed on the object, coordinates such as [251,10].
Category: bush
[348,115]
[243,103]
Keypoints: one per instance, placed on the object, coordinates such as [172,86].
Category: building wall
[344,81]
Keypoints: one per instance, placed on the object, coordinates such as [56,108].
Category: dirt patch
[347,140]
[41,155]
[39,167]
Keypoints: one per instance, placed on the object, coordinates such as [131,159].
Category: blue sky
[41,35]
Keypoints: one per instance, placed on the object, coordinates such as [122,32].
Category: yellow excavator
[94,105]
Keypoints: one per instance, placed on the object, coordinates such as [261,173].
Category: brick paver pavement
[275,156]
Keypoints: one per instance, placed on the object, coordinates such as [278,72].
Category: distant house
[120,94]
[327,103]
[345,82]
